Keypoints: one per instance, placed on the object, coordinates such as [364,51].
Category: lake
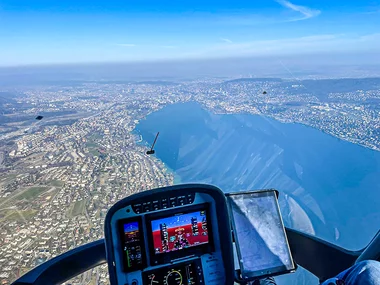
[328,187]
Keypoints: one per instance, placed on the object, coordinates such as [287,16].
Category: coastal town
[59,175]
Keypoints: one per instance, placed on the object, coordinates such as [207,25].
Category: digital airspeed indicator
[189,273]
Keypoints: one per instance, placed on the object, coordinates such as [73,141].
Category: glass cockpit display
[260,237]
[132,245]
[180,231]
[183,274]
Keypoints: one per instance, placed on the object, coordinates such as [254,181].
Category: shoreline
[140,141]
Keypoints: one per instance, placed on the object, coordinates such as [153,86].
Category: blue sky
[44,32]
[131,227]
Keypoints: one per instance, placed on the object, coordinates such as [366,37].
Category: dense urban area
[60,174]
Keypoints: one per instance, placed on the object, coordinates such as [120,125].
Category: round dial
[153,280]
[173,278]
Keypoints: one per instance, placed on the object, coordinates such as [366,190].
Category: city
[60,175]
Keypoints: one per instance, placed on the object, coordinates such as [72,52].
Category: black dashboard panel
[163,202]
[172,235]
[76,261]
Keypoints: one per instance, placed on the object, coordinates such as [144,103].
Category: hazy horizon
[286,66]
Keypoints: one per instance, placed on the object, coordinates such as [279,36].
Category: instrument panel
[188,273]
[171,236]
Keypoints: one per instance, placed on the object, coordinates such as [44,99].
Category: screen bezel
[276,270]
[121,224]
[194,250]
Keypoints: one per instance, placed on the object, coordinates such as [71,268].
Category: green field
[56,183]
[91,144]
[31,193]
[78,208]
[28,194]
[7,178]
[94,151]
[95,136]
[13,215]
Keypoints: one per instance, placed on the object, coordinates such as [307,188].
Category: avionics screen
[178,274]
[180,231]
[260,236]
[132,245]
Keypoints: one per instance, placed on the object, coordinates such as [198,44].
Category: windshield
[242,95]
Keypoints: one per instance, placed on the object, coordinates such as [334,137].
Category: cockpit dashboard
[178,235]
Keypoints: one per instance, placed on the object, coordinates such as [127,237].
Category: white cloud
[288,46]
[306,12]
[312,44]
[303,12]
[268,46]
[226,40]
[126,45]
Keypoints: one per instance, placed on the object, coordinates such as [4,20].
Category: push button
[173,201]
[164,203]
[190,198]
[156,205]
[181,200]
[147,207]
[137,208]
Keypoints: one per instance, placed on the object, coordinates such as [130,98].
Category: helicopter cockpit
[170,236]
[195,234]
[183,235]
